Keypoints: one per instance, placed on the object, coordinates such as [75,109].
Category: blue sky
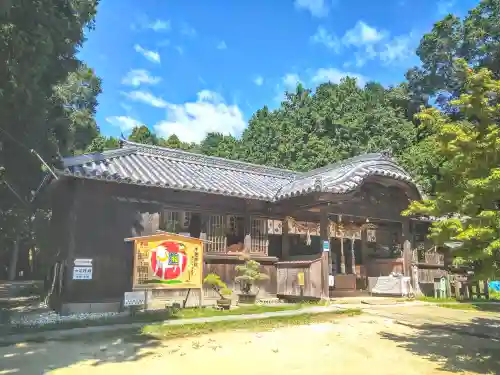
[191,67]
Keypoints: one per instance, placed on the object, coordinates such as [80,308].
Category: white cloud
[146,98]
[334,75]
[330,41]
[180,50]
[318,8]
[159,25]
[188,30]
[259,81]
[444,7]
[362,34]
[398,49]
[193,120]
[290,81]
[136,77]
[222,45]
[150,55]
[368,43]
[125,123]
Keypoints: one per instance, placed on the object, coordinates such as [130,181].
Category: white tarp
[391,285]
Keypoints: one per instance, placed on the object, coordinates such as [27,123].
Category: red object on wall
[172,272]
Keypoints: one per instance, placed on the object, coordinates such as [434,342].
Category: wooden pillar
[326,256]
[407,247]
[285,239]
[247,241]
[353,256]
[364,245]
[342,256]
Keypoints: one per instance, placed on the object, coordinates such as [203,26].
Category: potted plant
[249,275]
[220,287]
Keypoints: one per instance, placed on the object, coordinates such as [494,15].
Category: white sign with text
[82,273]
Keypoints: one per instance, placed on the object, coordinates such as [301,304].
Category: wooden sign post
[168,261]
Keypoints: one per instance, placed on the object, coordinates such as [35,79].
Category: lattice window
[169,221]
[186,219]
[232,225]
[216,234]
[259,235]
[175,221]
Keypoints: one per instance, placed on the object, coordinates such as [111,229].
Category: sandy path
[358,345]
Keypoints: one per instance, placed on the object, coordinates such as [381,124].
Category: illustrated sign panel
[168,261]
[82,273]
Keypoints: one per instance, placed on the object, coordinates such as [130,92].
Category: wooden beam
[326,257]
[285,240]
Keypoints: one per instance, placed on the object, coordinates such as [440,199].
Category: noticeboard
[168,260]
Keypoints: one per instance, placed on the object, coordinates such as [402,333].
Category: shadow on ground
[42,357]
[473,347]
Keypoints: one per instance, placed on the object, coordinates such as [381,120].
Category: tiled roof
[175,169]
[344,176]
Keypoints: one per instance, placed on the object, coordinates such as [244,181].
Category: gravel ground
[366,344]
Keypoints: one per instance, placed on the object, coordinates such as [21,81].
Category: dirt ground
[373,343]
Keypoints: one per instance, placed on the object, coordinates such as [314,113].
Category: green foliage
[336,122]
[142,134]
[214,281]
[102,143]
[467,193]
[249,274]
[476,38]
[47,101]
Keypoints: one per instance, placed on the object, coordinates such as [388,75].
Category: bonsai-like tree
[248,275]
[219,286]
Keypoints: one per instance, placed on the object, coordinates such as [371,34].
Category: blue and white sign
[326,245]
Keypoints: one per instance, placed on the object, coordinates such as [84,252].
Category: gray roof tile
[156,166]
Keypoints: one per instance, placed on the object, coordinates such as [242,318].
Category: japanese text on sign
[82,273]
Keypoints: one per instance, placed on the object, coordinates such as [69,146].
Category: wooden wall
[383,267]
[101,223]
[288,281]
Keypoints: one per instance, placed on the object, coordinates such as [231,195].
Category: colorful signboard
[168,261]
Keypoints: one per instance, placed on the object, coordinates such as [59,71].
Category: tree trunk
[13,260]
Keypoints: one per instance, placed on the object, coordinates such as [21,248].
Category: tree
[467,194]
[476,39]
[142,134]
[218,144]
[72,116]
[39,72]
[174,142]
[102,143]
[336,122]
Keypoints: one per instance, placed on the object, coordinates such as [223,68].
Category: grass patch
[166,332]
[471,306]
[474,305]
[156,316]
[157,332]
[436,300]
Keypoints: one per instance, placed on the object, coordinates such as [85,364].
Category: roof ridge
[374,156]
[210,160]
[70,161]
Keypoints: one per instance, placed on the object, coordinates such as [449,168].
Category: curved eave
[353,181]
